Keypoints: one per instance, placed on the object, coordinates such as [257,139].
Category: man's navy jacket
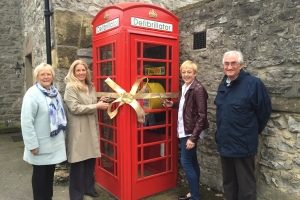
[243,110]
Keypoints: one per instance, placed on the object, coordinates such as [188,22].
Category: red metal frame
[138,160]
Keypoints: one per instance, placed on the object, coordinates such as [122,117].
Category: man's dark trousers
[239,180]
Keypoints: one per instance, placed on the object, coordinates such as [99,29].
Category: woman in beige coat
[82,132]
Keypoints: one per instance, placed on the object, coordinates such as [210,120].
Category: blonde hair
[40,67]
[71,79]
[189,64]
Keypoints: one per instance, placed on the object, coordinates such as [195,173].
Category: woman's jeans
[191,168]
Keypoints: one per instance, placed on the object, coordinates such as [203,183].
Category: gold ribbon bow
[122,97]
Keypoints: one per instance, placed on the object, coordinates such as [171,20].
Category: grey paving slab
[15,174]
[15,177]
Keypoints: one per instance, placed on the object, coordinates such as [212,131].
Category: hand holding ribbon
[122,97]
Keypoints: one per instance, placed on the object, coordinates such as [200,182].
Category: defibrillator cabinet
[133,41]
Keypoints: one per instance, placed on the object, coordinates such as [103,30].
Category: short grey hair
[41,67]
[240,58]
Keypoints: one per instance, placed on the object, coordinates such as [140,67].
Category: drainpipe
[47,14]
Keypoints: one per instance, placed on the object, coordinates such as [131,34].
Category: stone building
[11,53]
[23,40]
[267,32]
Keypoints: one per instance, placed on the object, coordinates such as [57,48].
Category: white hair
[239,55]
[41,67]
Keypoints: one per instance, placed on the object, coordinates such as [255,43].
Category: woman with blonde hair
[191,125]
[43,122]
[82,139]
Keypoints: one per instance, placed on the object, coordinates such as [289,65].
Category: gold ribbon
[122,97]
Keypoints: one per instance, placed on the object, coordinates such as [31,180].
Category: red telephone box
[131,41]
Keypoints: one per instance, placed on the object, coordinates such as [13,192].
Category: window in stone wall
[199,40]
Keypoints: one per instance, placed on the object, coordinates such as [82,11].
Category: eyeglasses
[232,64]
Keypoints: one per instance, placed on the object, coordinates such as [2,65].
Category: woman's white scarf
[57,114]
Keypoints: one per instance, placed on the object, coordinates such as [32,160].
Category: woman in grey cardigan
[82,139]
[43,122]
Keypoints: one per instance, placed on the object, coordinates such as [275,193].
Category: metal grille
[199,40]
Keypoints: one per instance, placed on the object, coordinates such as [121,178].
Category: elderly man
[243,110]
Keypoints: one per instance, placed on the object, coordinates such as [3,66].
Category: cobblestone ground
[15,181]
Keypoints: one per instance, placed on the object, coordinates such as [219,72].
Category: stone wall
[69,36]
[267,32]
[93,6]
[33,22]
[10,47]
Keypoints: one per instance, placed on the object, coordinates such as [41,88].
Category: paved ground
[15,177]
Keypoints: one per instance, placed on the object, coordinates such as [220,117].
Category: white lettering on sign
[108,25]
[151,24]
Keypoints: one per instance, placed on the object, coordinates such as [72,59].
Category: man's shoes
[185,197]
[92,194]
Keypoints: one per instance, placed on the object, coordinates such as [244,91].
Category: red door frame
[153,184]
